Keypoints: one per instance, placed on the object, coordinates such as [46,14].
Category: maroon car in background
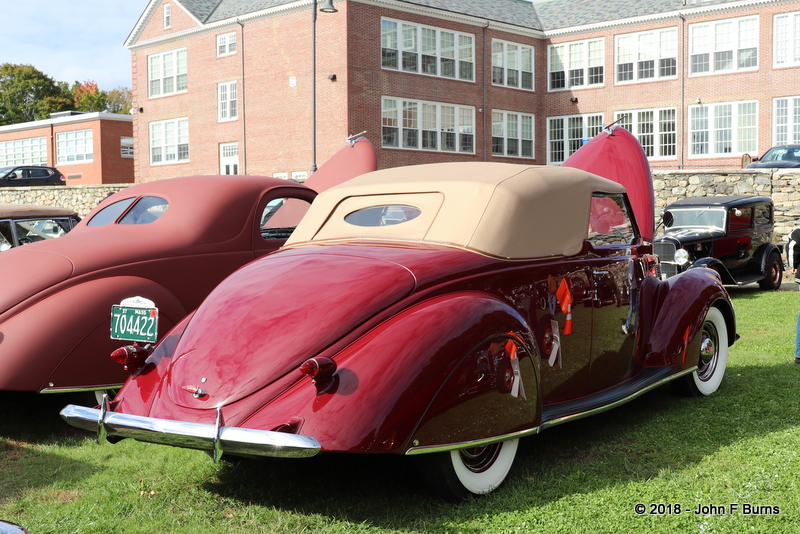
[168,241]
[439,311]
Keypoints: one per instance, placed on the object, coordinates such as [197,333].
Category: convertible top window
[384,215]
[110,213]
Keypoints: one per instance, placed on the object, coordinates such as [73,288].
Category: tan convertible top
[500,209]
[13,211]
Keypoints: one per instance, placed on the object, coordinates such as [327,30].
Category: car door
[616,274]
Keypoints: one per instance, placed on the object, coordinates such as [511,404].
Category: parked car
[778,157]
[730,234]
[28,175]
[21,224]
[169,241]
[442,311]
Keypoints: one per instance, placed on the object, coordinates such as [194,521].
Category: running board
[645,381]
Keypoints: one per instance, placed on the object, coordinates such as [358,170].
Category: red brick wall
[274,125]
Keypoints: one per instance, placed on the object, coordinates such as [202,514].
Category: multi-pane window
[226,44]
[512,65]
[512,134]
[169,141]
[410,47]
[786,119]
[30,151]
[577,64]
[421,125]
[126,147]
[566,134]
[166,72]
[647,55]
[167,16]
[787,40]
[228,102]
[75,147]
[654,128]
[724,46]
[723,129]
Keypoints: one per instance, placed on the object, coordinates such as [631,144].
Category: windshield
[693,217]
[782,154]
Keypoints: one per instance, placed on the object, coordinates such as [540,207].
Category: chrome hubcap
[708,352]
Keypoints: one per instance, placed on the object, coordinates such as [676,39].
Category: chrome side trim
[207,437]
[80,389]
[425,449]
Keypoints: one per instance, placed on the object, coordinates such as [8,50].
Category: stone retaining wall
[783,186]
[81,198]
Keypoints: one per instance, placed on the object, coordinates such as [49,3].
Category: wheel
[713,358]
[457,475]
[773,274]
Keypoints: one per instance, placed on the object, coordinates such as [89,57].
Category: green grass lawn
[740,446]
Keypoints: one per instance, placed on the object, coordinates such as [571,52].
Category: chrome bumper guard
[216,439]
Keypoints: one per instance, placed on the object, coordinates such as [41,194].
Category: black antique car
[730,234]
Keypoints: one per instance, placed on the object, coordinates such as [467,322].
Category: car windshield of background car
[110,213]
[776,154]
[281,216]
[711,217]
[145,211]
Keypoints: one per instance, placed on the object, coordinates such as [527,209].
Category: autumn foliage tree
[27,94]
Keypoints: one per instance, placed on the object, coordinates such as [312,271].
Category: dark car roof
[18,211]
[727,200]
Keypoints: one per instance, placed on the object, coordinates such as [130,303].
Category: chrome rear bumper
[216,439]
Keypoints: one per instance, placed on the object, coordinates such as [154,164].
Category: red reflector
[122,355]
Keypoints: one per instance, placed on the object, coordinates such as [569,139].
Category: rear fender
[388,379]
[679,306]
[762,256]
[63,341]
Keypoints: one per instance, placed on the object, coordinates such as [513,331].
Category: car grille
[666,259]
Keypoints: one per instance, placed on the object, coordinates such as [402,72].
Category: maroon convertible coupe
[442,311]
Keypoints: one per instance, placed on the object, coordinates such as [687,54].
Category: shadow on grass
[27,421]
[633,443]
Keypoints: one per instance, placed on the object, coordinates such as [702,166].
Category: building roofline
[83,117]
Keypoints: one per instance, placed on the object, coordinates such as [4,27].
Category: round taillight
[318,367]
[132,356]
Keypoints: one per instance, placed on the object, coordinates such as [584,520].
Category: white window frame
[126,147]
[413,122]
[28,151]
[167,16]
[786,120]
[577,61]
[281,175]
[786,40]
[509,57]
[717,125]
[641,48]
[709,40]
[75,147]
[656,129]
[428,50]
[227,101]
[590,124]
[226,44]
[166,73]
[169,141]
[513,133]
[300,176]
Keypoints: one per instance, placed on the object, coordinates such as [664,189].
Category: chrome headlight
[681,256]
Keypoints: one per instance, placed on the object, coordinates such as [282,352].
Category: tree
[27,94]
[88,97]
[119,100]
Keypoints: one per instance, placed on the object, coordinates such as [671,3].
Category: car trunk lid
[266,319]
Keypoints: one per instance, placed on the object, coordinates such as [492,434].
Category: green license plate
[134,324]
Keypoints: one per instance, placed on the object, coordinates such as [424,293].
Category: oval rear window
[384,215]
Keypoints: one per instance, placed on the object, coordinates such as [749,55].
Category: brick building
[88,148]
[226,85]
